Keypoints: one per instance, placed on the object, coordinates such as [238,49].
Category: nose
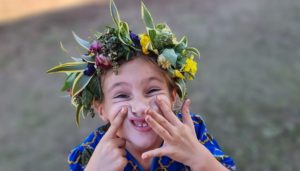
[139,105]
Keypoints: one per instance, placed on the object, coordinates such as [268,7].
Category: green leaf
[170,55]
[181,88]
[114,13]
[85,44]
[124,34]
[152,34]
[68,67]
[63,48]
[194,51]
[69,81]
[191,75]
[89,59]
[87,97]
[184,40]
[94,86]
[80,83]
[85,111]
[146,16]
[163,27]
[76,59]
[78,111]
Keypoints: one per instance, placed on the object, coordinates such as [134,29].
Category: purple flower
[135,38]
[95,47]
[89,70]
[102,61]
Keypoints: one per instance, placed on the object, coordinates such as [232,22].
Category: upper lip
[137,119]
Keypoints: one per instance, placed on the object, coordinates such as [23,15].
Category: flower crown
[118,44]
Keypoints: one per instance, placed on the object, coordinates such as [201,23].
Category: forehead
[137,70]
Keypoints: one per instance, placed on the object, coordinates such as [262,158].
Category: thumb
[154,153]
[116,123]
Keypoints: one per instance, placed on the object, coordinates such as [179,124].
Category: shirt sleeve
[211,144]
[80,155]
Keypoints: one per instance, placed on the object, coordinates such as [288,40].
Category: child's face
[136,86]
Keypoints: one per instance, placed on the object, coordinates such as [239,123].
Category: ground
[247,87]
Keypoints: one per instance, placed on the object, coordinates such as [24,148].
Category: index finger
[116,123]
[167,112]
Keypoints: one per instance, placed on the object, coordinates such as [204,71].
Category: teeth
[140,124]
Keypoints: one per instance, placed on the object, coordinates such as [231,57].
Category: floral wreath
[119,43]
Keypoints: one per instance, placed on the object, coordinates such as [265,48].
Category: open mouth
[140,125]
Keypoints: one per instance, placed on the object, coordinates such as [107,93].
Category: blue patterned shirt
[81,154]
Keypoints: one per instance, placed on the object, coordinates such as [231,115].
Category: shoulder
[80,155]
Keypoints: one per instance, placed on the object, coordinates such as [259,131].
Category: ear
[98,107]
[173,95]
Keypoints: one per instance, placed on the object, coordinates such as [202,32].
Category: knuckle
[164,122]
[163,131]
[121,162]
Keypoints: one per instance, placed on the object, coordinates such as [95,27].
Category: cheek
[155,106]
[113,110]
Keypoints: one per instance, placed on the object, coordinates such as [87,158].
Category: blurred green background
[247,88]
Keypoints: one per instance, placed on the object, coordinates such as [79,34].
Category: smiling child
[134,83]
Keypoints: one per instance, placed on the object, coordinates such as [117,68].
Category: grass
[247,89]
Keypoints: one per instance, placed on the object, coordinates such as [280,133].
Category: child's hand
[110,153]
[180,140]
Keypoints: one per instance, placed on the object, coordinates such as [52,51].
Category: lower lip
[141,129]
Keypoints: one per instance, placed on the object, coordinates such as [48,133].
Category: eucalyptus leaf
[83,43]
[114,13]
[80,83]
[170,55]
[146,16]
[68,67]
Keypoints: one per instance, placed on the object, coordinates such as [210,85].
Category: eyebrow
[126,84]
[153,79]
[116,85]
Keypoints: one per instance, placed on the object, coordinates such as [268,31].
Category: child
[134,83]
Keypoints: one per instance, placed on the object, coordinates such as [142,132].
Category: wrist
[199,160]
[202,159]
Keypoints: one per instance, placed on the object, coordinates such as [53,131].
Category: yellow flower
[145,42]
[190,66]
[178,74]
[163,62]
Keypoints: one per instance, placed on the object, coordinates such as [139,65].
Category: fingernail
[158,99]
[144,156]
[148,118]
[188,101]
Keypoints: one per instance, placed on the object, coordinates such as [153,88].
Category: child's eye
[153,90]
[121,96]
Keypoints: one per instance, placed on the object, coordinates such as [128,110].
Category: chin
[144,143]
